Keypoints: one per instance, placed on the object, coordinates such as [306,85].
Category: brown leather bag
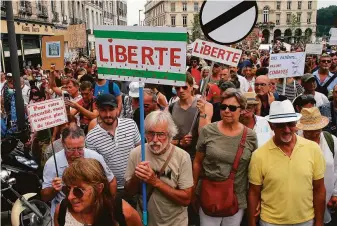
[218,198]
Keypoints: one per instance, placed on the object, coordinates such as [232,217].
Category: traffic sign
[227,22]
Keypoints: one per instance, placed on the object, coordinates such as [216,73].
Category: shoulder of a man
[92,134]
[88,153]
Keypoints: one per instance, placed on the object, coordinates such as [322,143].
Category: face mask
[10,91]
[174,91]
[38,78]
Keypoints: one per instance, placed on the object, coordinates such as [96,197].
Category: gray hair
[160,117]
[231,92]
[72,132]
[151,93]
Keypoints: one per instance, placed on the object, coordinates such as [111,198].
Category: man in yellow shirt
[286,175]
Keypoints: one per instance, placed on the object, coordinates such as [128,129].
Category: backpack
[324,89]
[111,87]
[329,139]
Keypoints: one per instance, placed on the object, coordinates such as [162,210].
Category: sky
[135,5]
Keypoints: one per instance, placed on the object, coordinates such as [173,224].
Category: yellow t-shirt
[287,190]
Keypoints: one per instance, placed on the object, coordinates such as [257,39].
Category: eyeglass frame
[72,150]
[152,134]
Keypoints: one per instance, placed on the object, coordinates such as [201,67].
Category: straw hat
[281,112]
[312,119]
[251,97]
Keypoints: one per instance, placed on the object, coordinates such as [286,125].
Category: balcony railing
[43,13]
[55,17]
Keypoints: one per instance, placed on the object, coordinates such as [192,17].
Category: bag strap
[333,116]
[239,153]
[118,211]
[330,80]
[62,212]
[329,139]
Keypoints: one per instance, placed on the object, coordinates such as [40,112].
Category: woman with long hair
[88,199]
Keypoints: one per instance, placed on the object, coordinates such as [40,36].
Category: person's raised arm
[52,83]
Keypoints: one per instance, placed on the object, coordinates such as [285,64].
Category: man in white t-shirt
[25,91]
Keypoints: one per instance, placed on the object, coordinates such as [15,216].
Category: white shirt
[244,85]
[262,130]
[25,94]
[320,99]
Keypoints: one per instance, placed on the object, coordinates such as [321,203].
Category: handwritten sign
[144,54]
[314,49]
[284,65]
[217,53]
[47,114]
[77,36]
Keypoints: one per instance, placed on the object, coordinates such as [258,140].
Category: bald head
[262,85]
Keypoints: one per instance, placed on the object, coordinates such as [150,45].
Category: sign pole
[142,136]
[52,148]
[284,86]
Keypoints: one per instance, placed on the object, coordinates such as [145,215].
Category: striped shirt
[115,149]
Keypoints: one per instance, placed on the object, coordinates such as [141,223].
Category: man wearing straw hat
[312,123]
[257,123]
[286,175]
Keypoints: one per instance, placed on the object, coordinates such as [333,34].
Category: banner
[53,52]
[314,49]
[217,53]
[77,36]
[144,54]
[284,65]
[47,114]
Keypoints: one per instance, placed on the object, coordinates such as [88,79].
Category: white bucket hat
[282,111]
[134,89]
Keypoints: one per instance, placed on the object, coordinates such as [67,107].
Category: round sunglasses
[77,192]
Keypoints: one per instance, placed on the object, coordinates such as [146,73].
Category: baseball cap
[306,77]
[9,75]
[106,99]
[134,89]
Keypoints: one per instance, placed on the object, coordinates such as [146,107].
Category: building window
[299,17]
[278,5]
[173,21]
[289,5]
[184,21]
[278,16]
[309,17]
[299,5]
[288,18]
[196,7]
[173,7]
[265,14]
[184,6]
[309,4]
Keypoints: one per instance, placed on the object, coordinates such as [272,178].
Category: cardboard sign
[53,52]
[77,36]
[47,114]
[217,53]
[265,47]
[145,54]
[284,65]
[314,49]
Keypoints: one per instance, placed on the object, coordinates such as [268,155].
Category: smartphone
[66,96]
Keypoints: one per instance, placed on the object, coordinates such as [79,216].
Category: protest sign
[287,46]
[53,52]
[313,48]
[265,47]
[144,54]
[77,36]
[217,53]
[284,65]
[47,114]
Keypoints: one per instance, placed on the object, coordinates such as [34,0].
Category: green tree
[326,19]
[196,29]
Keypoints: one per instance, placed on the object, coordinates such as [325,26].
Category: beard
[161,147]
[108,120]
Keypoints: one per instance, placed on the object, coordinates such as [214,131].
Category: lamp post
[139,17]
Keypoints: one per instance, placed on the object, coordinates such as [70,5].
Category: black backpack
[324,89]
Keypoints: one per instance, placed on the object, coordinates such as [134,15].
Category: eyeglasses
[232,108]
[183,87]
[78,149]
[260,84]
[77,192]
[283,125]
[326,61]
[160,135]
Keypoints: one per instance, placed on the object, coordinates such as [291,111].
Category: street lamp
[139,16]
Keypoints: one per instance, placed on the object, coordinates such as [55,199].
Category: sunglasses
[283,125]
[260,84]
[326,61]
[177,88]
[77,192]
[232,108]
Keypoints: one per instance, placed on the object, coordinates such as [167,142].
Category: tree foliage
[326,19]
[196,29]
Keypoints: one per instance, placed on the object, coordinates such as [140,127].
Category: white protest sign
[47,114]
[287,46]
[265,47]
[333,32]
[314,48]
[144,54]
[217,53]
[333,41]
[284,65]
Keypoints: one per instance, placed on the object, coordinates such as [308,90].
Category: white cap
[9,75]
[134,89]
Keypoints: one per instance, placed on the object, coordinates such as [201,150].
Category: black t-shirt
[136,117]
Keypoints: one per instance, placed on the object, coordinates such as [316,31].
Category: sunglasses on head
[183,87]
[326,61]
[232,108]
[283,125]
[77,192]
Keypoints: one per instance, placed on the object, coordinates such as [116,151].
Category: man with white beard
[167,171]
[286,175]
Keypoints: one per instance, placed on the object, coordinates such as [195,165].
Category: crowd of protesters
[228,148]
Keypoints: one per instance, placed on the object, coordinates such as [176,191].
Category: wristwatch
[203,115]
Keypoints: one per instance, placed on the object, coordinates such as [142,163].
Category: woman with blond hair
[88,199]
